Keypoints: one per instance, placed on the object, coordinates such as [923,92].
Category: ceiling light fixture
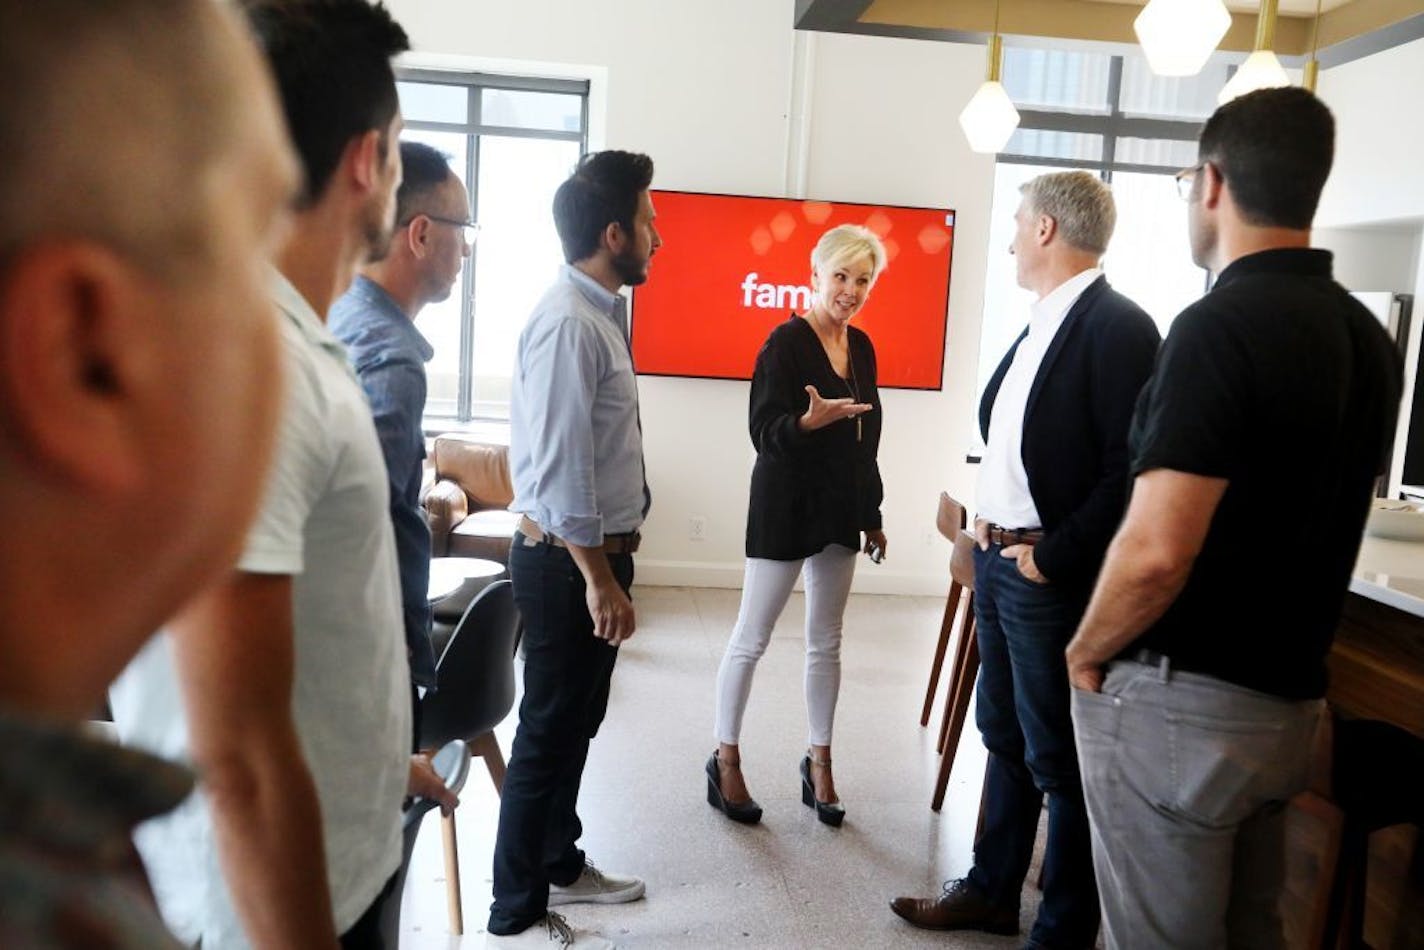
[1261,70]
[1312,65]
[990,118]
[1179,36]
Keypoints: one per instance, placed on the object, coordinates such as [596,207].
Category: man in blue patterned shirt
[375,318]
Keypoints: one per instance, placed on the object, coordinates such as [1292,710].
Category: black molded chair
[1371,780]
[475,692]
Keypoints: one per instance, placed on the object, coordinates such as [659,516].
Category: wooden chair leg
[946,627]
[956,712]
[487,747]
[452,874]
[961,654]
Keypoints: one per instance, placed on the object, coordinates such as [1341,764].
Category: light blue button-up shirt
[575,445]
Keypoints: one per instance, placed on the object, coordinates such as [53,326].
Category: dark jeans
[1023,711]
[372,930]
[567,671]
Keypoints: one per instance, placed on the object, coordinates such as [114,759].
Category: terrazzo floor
[790,881]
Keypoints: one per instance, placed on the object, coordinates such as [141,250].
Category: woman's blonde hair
[848,242]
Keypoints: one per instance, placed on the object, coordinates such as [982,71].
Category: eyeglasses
[469,230]
[1185,177]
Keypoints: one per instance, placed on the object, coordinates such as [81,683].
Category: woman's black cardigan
[811,489]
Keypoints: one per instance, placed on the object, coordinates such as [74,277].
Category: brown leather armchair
[467,503]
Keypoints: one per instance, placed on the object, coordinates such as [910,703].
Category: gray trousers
[1187,779]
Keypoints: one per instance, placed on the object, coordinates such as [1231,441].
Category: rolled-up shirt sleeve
[299,472]
[562,364]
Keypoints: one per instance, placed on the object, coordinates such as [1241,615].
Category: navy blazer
[1075,428]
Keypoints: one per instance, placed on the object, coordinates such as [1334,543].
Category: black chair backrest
[475,674]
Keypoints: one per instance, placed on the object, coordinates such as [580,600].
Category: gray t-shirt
[325,521]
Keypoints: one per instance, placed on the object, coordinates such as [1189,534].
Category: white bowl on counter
[1395,520]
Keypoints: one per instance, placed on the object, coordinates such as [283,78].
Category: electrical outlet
[696,527]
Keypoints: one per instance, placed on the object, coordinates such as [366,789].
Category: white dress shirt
[1002,495]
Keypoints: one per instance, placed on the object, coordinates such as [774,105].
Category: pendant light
[1261,70]
[990,118]
[1312,65]
[1179,36]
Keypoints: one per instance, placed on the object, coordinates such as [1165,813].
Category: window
[1111,116]
[513,141]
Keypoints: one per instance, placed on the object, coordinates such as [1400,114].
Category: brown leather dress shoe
[960,907]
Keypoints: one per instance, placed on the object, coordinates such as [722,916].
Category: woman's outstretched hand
[822,412]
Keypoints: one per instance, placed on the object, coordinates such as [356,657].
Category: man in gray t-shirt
[293,670]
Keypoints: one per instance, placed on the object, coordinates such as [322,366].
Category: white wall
[1372,211]
[707,91]
[1374,257]
[1379,138]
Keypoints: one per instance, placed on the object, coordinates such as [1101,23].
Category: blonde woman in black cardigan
[816,490]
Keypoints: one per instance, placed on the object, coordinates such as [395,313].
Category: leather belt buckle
[1004,537]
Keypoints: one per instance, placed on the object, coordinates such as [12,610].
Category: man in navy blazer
[1052,487]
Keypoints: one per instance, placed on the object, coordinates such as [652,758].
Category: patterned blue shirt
[389,355]
[575,444]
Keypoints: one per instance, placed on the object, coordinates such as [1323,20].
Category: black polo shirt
[1282,383]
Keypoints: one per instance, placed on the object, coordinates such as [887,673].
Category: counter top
[1392,573]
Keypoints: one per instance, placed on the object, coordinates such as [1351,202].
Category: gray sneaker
[597,887]
[551,933]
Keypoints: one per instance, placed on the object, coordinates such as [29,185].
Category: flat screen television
[732,267]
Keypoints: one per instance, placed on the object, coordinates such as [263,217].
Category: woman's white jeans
[765,590]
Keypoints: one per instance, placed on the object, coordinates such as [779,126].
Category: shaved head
[147,181]
[111,115]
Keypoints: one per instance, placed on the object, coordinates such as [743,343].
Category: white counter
[1391,572]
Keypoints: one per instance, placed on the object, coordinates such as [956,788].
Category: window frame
[474,128]
[1111,126]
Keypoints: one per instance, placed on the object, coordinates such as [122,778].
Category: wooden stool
[964,669]
[1375,785]
[950,521]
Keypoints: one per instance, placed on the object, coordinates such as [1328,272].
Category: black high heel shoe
[747,812]
[828,813]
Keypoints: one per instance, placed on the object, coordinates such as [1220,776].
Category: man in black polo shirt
[1199,667]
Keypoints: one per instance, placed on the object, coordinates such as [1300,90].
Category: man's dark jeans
[1023,711]
[567,671]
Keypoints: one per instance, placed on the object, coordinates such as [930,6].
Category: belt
[1152,658]
[1004,537]
[612,543]
[1161,662]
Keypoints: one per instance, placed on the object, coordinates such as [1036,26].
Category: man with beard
[576,457]
[375,318]
[1199,667]
[293,669]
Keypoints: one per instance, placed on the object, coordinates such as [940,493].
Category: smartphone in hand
[876,552]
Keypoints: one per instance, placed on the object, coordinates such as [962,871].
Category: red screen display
[732,268]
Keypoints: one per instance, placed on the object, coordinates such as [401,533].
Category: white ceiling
[1305,8]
